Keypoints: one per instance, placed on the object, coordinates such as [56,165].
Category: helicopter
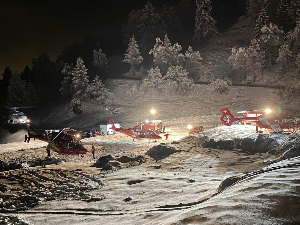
[263,119]
[138,131]
[16,117]
[15,120]
[61,142]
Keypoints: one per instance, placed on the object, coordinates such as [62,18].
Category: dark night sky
[30,27]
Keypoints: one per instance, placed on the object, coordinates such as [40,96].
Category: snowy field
[184,184]
[179,189]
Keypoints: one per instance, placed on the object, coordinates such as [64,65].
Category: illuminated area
[268,111]
[189,126]
[152,111]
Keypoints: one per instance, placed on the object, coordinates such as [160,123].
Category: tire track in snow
[224,186]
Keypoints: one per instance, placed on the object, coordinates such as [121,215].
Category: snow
[181,188]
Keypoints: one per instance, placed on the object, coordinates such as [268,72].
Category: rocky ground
[36,179]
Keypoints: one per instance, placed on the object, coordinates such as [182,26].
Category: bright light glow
[78,135]
[190,126]
[147,121]
[268,111]
[153,111]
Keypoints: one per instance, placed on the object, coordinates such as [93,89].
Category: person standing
[93,150]
[48,151]
[166,135]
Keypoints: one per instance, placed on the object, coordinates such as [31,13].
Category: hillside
[128,105]
[217,50]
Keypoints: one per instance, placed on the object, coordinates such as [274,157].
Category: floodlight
[268,111]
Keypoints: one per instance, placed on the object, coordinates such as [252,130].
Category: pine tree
[99,59]
[173,24]
[26,75]
[285,59]
[151,25]
[204,23]
[270,40]
[294,10]
[153,81]
[283,17]
[247,61]
[6,76]
[165,55]
[79,85]
[192,57]
[98,91]
[46,77]
[261,21]
[133,56]
[31,92]
[66,83]
[21,93]
[177,80]
[16,92]
[253,7]
[221,85]
[293,40]
[192,60]
[145,25]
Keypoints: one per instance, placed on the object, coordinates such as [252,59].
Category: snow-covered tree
[145,25]
[285,60]
[66,82]
[204,23]
[270,40]
[133,56]
[80,83]
[165,55]
[153,81]
[221,85]
[262,20]
[21,93]
[99,58]
[177,80]
[192,60]
[293,40]
[151,25]
[16,91]
[98,91]
[247,61]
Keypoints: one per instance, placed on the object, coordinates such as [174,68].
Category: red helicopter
[59,141]
[262,119]
[138,131]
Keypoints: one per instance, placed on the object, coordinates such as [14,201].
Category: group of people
[95,133]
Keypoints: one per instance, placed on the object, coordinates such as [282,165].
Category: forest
[163,48]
